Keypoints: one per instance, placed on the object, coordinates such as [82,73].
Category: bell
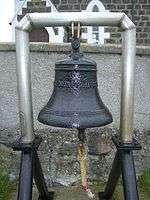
[75,101]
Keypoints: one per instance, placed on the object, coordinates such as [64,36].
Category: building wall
[137,10]
[139,13]
[58,150]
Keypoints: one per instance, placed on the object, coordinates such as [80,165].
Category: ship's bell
[75,101]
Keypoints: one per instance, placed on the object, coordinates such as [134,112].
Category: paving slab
[66,193]
[70,193]
[76,193]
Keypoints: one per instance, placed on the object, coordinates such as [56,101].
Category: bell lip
[82,126]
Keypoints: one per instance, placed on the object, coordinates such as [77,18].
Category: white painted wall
[6,13]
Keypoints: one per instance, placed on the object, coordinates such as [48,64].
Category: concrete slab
[69,193]
[66,193]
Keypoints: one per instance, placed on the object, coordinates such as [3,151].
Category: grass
[143,187]
[6,186]
[144,180]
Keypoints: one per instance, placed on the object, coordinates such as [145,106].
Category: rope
[83,168]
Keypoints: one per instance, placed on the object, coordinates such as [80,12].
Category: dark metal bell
[75,101]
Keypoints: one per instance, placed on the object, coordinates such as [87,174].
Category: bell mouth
[81,119]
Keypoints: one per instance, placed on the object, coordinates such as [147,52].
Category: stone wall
[58,150]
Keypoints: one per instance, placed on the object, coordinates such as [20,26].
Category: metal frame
[124,158]
[36,20]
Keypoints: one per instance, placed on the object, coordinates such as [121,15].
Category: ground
[8,188]
[76,193]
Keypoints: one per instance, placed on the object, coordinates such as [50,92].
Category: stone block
[56,1]
[121,6]
[126,1]
[147,41]
[111,6]
[63,7]
[36,3]
[146,6]
[77,7]
[63,1]
[107,1]
[143,35]
[140,41]
[147,12]
[141,12]
[72,1]
[129,6]
[143,1]
[99,144]
[137,6]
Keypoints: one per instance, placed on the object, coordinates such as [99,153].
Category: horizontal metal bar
[65,18]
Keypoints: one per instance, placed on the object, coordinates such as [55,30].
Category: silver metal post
[24,85]
[127,86]
[36,20]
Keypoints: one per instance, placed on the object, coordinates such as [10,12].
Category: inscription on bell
[75,80]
